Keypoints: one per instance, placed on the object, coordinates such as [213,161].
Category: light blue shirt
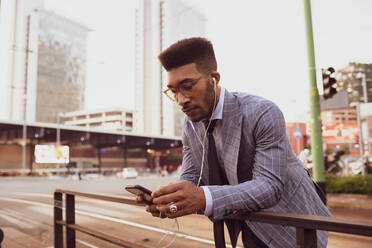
[217,115]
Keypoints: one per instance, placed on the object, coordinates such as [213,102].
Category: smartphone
[140,190]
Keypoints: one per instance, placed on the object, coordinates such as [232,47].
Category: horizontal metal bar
[309,222]
[287,219]
[125,200]
[102,236]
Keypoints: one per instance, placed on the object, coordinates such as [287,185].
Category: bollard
[58,228]
[70,219]
[1,236]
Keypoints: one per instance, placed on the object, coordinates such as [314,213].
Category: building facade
[339,116]
[160,23]
[340,121]
[45,68]
[61,66]
[17,76]
[118,119]
[351,79]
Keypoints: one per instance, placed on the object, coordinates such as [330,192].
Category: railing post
[58,228]
[306,238]
[1,236]
[70,219]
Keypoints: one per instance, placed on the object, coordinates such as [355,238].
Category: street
[26,215]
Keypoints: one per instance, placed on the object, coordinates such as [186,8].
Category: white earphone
[202,162]
[202,142]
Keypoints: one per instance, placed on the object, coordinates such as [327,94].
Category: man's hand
[188,198]
[151,208]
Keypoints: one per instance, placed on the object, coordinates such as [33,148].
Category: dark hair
[192,50]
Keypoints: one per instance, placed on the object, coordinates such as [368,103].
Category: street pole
[298,140]
[24,145]
[316,130]
[360,136]
[365,96]
[295,119]
[58,136]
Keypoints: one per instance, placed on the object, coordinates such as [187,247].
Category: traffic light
[329,82]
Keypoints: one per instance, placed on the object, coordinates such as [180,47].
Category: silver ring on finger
[173,208]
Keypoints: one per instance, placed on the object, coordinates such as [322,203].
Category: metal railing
[305,225]
[1,236]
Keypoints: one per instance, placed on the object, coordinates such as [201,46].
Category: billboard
[341,133]
[52,154]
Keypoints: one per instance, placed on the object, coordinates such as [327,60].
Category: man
[246,165]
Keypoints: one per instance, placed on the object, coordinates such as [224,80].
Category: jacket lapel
[231,134]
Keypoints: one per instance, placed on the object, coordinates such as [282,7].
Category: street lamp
[297,130]
[24,133]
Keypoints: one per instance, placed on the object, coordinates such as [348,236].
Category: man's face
[197,102]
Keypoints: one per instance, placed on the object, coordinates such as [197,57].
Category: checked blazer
[263,172]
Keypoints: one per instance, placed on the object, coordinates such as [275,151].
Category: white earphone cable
[166,235]
[205,134]
[202,142]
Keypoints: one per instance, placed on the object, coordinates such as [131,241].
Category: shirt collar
[219,108]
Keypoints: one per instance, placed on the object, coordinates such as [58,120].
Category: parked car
[129,173]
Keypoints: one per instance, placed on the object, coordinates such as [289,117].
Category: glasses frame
[178,91]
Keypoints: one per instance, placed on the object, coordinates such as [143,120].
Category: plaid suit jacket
[253,130]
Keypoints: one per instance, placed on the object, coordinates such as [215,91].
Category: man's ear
[216,75]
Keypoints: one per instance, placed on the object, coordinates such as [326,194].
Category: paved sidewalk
[352,207]
[351,201]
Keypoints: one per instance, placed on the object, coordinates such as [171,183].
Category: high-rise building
[160,23]
[46,63]
[61,66]
[16,56]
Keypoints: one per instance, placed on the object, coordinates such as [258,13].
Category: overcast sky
[260,45]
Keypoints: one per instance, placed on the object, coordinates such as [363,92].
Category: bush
[357,184]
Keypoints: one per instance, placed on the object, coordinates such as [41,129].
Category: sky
[260,46]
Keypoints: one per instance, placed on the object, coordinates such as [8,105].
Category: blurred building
[351,78]
[337,110]
[340,122]
[16,56]
[160,23]
[44,64]
[61,66]
[119,119]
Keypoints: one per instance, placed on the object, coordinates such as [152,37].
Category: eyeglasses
[185,88]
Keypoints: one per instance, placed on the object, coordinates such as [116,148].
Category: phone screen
[140,190]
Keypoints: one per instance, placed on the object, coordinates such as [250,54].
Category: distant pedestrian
[304,156]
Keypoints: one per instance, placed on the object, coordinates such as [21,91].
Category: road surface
[26,215]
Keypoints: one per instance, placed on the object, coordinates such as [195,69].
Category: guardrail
[305,225]
[1,236]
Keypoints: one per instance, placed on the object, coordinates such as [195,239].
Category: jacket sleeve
[269,168]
